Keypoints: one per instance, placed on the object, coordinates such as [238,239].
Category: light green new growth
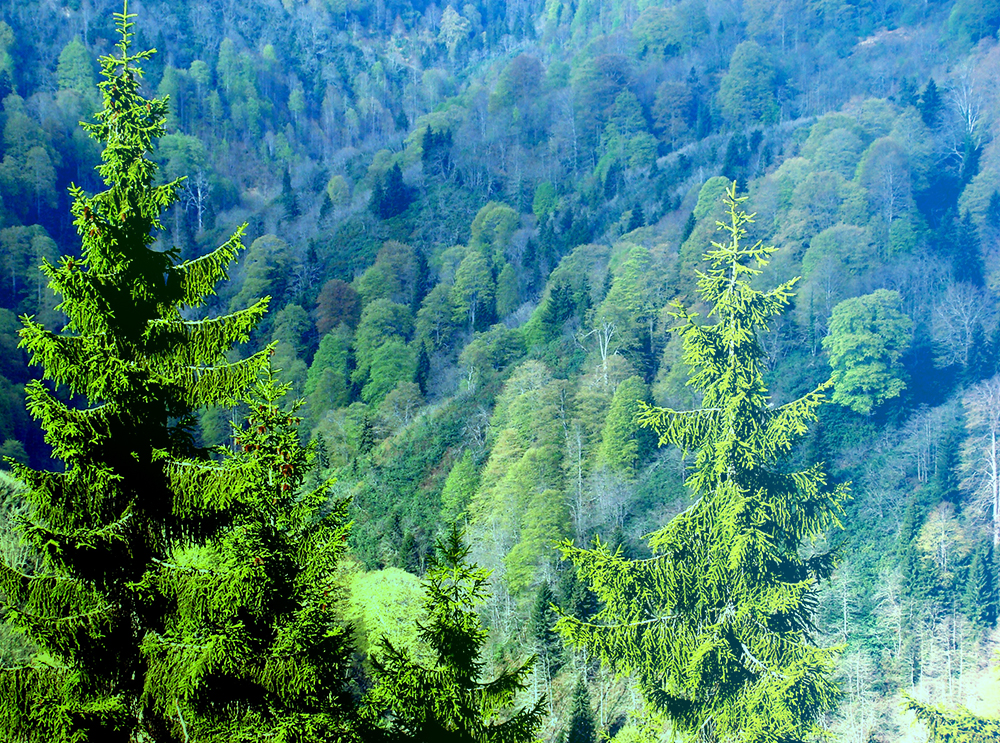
[134,488]
[716,627]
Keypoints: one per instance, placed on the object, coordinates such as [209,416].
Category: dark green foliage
[390,195]
[954,726]
[134,488]
[251,649]
[447,700]
[582,727]
[541,629]
[636,219]
[967,259]
[982,362]
[436,152]
[982,597]
[423,370]
[289,202]
[400,484]
[555,310]
[716,627]
[689,226]
[931,104]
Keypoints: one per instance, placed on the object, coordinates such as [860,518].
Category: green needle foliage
[582,728]
[954,726]
[252,650]
[134,487]
[447,702]
[715,627]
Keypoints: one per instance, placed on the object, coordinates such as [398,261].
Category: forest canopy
[471,227]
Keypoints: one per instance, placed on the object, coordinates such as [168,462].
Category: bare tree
[966,104]
[981,454]
[956,316]
[604,333]
[611,494]
[195,196]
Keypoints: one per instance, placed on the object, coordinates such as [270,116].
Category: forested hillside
[477,225]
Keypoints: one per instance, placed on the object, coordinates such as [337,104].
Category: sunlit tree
[716,628]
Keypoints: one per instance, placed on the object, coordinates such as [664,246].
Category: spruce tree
[716,626]
[541,628]
[581,728]
[252,649]
[982,599]
[447,702]
[133,485]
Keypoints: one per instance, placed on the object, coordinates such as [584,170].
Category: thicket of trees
[471,222]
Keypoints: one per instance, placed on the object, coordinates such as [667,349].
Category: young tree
[447,701]
[982,599]
[716,626]
[251,649]
[133,486]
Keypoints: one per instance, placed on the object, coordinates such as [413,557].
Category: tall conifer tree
[252,650]
[716,626]
[134,486]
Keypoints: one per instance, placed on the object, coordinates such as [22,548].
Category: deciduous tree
[867,340]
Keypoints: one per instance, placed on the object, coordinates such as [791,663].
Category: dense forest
[483,254]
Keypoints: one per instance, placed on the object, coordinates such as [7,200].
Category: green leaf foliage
[623,442]
[868,337]
[582,727]
[716,627]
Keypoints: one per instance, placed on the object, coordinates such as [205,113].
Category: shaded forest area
[472,221]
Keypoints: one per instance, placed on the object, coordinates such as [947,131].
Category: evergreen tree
[636,219]
[967,260]
[289,202]
[390,195]
[981,594]
[716,627]
[582,727]
[133,487]
[931,104]
[541,629]
[423,371]
[982,362]
[689,226]
[447,702]
[250,650]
